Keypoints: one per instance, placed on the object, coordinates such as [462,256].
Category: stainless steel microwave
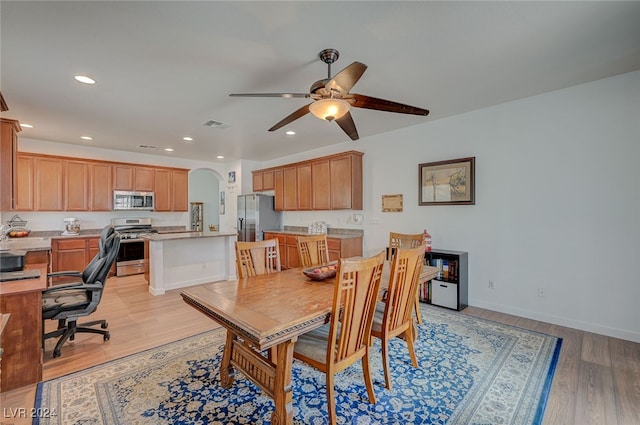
[127,200]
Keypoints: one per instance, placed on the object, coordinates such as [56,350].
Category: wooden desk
[22,338]
[268,311]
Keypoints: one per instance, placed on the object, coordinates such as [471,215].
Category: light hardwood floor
[597,380]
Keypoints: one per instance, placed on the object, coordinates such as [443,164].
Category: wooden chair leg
[385,362]
[409,337]
[331,401]
[418,315]
[367,377]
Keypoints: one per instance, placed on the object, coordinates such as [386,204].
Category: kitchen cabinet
[278,190]
[76,186]
[73,254]
[333,182]
[303,181]
[48,183]
[101,184]
[171,190]
[320,185]
[290,192]
[133,177]
[180,184]
[346,181]
[24,175]
[263,180]
[343,246]
[52,183]
[8,149]
[163,190]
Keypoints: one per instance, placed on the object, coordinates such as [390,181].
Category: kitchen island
[177,260]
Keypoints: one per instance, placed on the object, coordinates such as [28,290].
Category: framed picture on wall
[449,182]
[232,176]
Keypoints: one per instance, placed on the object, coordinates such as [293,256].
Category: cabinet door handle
[444,286]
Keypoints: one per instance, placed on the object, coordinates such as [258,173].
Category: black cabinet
[450,288]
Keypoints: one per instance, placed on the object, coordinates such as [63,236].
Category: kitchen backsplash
[54,221]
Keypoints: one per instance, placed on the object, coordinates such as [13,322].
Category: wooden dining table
[264,315]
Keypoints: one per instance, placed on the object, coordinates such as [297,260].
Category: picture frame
[450,182]
[392,203]
[232,177]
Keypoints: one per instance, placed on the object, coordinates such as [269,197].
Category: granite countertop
[26,244]
[159,237]
[331,232]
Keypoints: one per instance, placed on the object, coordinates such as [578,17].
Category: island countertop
[158,237]
[26,244]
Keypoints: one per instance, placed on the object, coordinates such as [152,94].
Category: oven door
[130,259]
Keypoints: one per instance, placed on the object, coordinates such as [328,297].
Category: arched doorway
[204,186]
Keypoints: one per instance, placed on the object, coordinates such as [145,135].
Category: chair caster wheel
[105,325]
[56,353]
[107,336]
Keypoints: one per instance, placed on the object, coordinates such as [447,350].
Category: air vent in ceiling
[216,124]
[147,146]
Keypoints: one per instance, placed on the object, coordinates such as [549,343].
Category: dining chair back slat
[257,258]
[313,250]
[406,241]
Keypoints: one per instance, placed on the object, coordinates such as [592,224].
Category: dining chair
[404,241]
[257,258]
[392,317]
[313,250]
[345,339]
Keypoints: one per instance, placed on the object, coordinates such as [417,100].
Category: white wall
[557,202]
[204,186]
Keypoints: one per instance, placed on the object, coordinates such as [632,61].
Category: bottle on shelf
[427,241]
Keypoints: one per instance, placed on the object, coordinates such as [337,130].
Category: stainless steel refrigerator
[255,215]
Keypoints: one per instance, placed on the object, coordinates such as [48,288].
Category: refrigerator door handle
[240,220]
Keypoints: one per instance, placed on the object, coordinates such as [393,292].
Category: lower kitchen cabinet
[342,246]
[73,254]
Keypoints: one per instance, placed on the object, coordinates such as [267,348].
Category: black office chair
[67,303]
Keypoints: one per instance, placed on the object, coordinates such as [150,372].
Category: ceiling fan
[332,99]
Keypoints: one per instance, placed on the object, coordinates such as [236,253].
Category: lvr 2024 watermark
[23,412]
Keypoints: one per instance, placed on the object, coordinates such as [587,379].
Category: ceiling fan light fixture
[329,109]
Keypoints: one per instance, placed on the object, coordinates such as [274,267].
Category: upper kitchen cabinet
[101,186]
[133,177]
[76,186]
[346,181]
[23,195]
[263,180]
[180,183]
[49,183]
[171,190]
[8,149]
[332,182]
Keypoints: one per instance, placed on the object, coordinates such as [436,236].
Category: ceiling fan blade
[368,102]
[346,123]
[347,78]
[285,95]
[292,117]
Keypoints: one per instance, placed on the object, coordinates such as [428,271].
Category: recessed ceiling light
[220,157]
[187,139]
[24,125]
[168,149]
[290,133]
[84,79]
[86,137]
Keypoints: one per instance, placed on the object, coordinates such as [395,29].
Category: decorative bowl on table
[322,272]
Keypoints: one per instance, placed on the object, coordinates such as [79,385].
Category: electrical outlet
[492,284]
[541,292]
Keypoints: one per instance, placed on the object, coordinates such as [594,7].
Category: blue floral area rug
[472,371]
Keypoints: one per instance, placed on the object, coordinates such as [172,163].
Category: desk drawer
[444,294]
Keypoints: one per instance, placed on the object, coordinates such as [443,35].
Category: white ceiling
[165,68]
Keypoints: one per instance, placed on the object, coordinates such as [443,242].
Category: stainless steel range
[131,259]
